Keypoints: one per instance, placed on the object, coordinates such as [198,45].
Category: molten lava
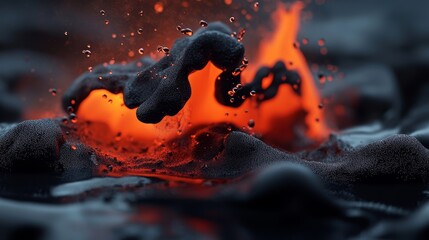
[281,45]
[276,120]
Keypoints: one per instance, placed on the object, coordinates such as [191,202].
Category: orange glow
[202,108]
[274,119]
[158,7]
[280,46]
[103,106]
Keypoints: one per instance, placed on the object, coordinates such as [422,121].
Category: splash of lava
[274,119]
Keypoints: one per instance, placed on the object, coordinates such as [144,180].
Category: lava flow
[278,120]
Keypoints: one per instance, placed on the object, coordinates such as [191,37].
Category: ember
[250,119]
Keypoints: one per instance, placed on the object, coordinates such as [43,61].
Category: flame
[272,118]
[281,46]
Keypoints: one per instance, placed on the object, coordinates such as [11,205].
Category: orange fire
[272,118]
[281,46]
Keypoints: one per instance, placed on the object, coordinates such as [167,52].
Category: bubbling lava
[274,120]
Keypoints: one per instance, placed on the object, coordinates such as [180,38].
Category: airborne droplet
[102,12]
[256,5]
[231,100]
[236,72]
[305,41]
[240,34]
[53,91]
[140,31]
[322,78]
[252,93]
[187,31]
[203,23]
[166,50]
[158,7]
[73,118]
[251,123]
[118,136]
[141,51]
[232,19]
[87,53]
[70,109]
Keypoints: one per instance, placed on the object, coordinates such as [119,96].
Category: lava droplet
[251,123]
[305,41]
[70,109]
[166,50]
[158,7]
[53,91]
[187,31]
[236,72]
[87,53]
[203,23]
[73,118]
[256,5]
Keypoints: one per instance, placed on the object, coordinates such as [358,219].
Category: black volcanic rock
[294,189]
[164,88]
[35,154]
[31,147]
[398,162]
[111,77]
